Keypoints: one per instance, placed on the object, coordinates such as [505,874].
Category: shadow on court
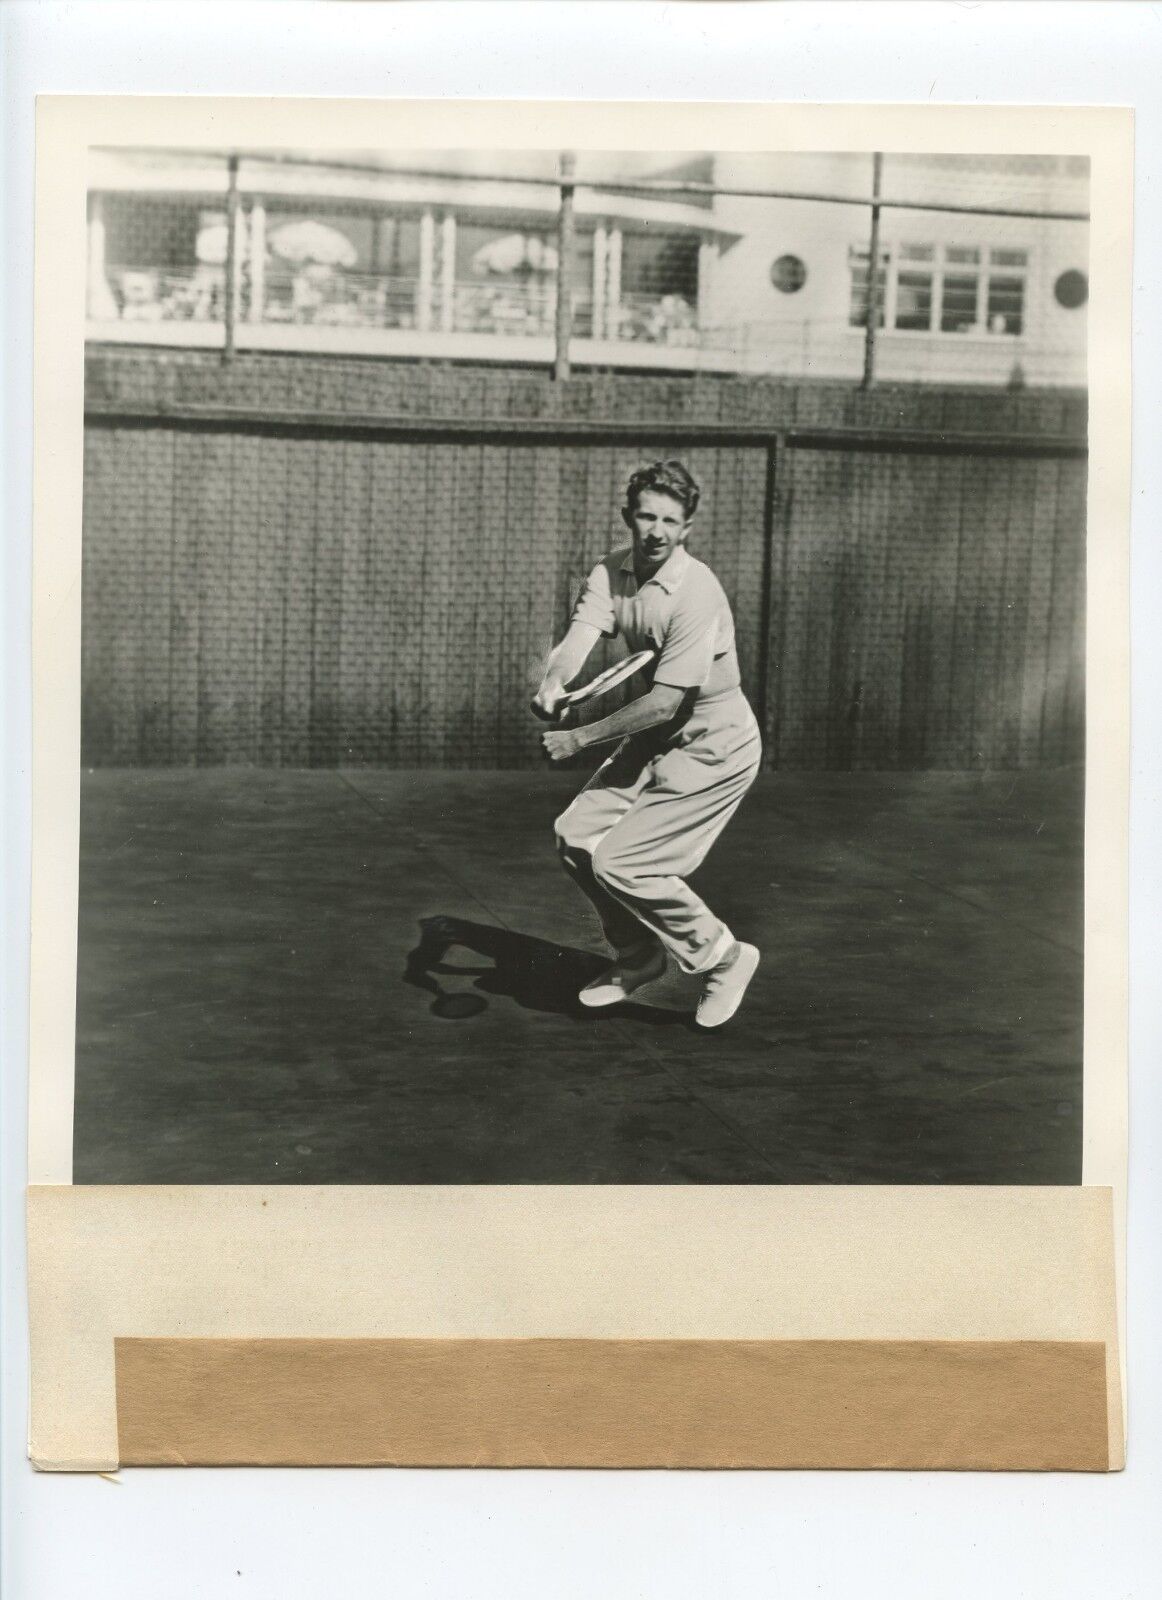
[371,977]
[534,973]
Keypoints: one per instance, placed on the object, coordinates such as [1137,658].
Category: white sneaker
[630,971]
[724,987]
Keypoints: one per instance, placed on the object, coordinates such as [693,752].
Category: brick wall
[305,561]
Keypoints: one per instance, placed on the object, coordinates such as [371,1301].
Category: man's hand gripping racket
[557,712]
[601,684]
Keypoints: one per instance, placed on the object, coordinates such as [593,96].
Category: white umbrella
[210,244]
[299,242]
[515,252]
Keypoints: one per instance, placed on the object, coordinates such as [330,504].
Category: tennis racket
[601,684]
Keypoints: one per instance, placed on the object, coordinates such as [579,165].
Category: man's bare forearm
[570,656]
[650,711]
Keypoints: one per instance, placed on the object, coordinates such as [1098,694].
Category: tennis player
[689,750]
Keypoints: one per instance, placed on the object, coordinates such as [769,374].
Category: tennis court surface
[270,960]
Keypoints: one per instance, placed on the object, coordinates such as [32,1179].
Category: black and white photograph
[578,577]
[582,667]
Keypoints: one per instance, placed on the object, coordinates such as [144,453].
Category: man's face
[659,525]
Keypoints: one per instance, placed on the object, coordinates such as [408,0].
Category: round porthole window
[788,274]
[1071,289]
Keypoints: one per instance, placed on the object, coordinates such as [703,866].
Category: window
[659,288]
[1006,304]
[1071,289]
[960,289]
[396,250]
[788,274]
[147,231]
[929,288]
[959,302]
[913,300]
[659,264]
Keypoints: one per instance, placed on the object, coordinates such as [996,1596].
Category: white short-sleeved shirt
[681,612]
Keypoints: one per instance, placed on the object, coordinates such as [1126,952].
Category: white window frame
[892,256]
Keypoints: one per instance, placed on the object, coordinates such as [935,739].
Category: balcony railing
[331,299]
[323,297]
[525,310]
[377,314]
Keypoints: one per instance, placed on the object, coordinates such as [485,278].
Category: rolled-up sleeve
[595,605]
[688,648]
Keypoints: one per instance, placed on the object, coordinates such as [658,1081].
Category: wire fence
[998,304]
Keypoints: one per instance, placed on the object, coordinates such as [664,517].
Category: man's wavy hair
[664,477]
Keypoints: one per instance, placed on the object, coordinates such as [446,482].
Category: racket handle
[557,715]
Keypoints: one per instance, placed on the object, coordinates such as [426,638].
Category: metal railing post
[564,325]
[230,308]
[448,272]
[256,309]
[873,277]
[427,270]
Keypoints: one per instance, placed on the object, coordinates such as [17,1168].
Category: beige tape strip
[994,1405]
[707,1263]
